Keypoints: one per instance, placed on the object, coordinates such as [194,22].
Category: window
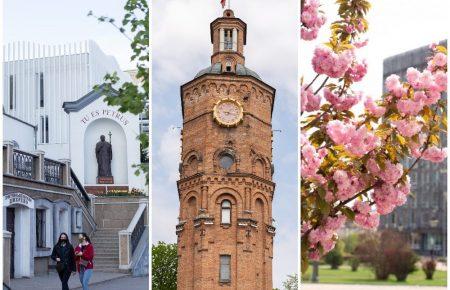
[41,89]
[228,39]
[228,66]
[11,92]
[40,228]
[225,268]
[226,161]
[44,129]
[225,212]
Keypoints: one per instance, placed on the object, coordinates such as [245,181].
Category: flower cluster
[357,141]
[311,160]
[364,216]
[309,101]
[342,102]
[334,65]
[312,19]
[324,236]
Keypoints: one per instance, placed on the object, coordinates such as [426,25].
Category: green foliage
[429,267]
[354,263]
[131,97]
[164,266]
[350,241]
[291,283]
[335,258]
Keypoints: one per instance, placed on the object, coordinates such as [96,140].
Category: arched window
[226,161]
[228,66]
[225,212]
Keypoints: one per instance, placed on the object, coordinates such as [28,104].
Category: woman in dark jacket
[64,256]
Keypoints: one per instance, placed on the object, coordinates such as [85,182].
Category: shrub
[334,258]
[402,262]
[429,267]
[354,263]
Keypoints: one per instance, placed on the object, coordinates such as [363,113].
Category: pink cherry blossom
[343,102]
[340,132]
[413,75]
[360,44]
[391,173]
[364,216]
[373,108]
[362,142]
[434,154]
[312,20]
[394,86]
[325,61]
[409,107]
[440,79]
[407,128]
[309,101]
[388,196]
[311,160]
[357,70]
[440,59]
[347,184]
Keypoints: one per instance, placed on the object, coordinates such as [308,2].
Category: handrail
[129,238]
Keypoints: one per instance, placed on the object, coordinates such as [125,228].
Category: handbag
[83,263]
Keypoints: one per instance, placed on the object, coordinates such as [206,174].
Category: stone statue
[103,152]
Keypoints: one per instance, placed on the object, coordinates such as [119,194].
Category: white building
[40,79]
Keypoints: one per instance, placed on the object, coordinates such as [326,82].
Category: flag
[223,3]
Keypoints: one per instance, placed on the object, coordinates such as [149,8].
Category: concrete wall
[115,212]
[6,257]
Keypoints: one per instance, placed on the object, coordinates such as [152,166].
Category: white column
[235,39]
[222,39]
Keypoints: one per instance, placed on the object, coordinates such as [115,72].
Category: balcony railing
[23,164]
[53,171]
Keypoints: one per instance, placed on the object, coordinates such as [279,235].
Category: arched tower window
[225,212]
[226,160]
[228,66]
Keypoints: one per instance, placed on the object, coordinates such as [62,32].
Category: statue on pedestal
[103,152]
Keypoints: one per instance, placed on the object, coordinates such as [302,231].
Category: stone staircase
[106,246]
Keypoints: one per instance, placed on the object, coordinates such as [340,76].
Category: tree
[351,164]
[291,283]
[131,97]
[164,266]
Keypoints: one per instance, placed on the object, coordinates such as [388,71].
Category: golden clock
[228,112]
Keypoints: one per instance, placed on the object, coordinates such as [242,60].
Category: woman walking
[63,254]
[84,255]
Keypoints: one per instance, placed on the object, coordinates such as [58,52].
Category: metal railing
[137,233]
[129,238]
[53,171]
[23,164]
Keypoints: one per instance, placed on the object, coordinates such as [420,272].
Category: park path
[365,287]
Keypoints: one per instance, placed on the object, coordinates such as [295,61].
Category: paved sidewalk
[52,282]
[365,287]
[132,283]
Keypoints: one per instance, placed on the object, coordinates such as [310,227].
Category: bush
[429,267]
[402,262]
[354,263]
[335,258]
[386,253]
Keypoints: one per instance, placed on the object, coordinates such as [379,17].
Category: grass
[365,276]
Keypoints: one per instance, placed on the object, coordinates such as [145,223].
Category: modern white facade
[39,79]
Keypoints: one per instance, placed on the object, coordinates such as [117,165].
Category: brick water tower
[225,231]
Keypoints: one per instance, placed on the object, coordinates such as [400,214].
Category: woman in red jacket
[84,255]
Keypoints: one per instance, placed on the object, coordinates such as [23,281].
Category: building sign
[105,113]
[18,198]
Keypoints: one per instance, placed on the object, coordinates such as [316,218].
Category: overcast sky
[182,47]
[62,22]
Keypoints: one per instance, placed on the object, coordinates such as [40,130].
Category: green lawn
[365,276]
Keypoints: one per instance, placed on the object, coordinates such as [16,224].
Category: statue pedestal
[105,180]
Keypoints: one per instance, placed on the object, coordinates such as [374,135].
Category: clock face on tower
[228,112]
